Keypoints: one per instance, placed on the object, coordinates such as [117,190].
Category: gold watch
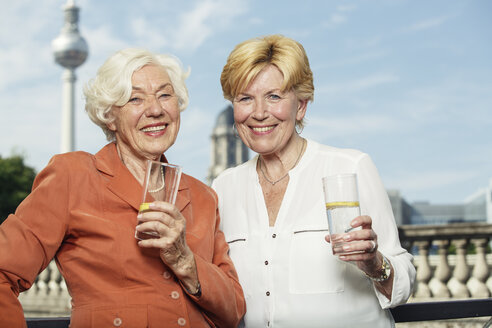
[385,272]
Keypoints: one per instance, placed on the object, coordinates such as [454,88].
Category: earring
[236,134]
[299,129]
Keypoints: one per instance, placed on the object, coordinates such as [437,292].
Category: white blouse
[288,272]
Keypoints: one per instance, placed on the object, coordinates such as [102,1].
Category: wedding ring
[373,248]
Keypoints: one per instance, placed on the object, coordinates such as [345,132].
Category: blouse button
[266,262]
[267,293]
[274,235]
[117,322]
[175,295]
[166,275]
[181,322]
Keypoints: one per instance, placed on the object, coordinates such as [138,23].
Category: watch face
[386,268]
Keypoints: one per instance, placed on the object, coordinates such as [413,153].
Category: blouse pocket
[312,267]
[238,251]
[239,254]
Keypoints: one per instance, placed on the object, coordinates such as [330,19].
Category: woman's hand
[364,243]
[165,220]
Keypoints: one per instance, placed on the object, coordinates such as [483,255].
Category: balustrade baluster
[461,272]
[480,272]
[42,294]
[443,272]
[424,272]
[28,298]
[53,286]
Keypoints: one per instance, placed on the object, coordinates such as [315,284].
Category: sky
[408,82]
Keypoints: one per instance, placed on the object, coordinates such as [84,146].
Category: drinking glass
[342,206]
[161,182]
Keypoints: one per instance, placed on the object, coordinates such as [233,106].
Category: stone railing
[48,296]
[439,277]
[445,276]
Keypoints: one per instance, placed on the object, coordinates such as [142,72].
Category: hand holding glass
[342,206]
[161,182]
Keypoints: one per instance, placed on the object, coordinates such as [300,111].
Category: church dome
[225,118]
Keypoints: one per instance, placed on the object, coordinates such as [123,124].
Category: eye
[243,98]
[135,100]
[274,96]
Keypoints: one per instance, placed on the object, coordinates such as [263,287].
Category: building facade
[475,208]
[227,149]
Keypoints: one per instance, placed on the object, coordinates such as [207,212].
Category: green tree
[15,183]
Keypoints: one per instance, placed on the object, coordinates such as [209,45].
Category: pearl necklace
[286,174]
[163,182]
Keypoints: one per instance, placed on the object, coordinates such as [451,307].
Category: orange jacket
[82,211]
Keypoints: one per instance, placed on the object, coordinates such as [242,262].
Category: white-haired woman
[83,211]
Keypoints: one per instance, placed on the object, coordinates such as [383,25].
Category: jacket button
[117,322]
[166,275]
[181,322]
[174,295]
[267,293]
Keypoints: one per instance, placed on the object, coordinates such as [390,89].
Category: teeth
[263,129]
[154,128]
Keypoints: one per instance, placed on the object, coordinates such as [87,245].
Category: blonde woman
[273,211]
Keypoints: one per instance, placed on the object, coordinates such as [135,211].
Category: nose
[153,107]
[260,111]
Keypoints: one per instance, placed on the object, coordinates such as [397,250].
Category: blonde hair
[250,57]
[112,85]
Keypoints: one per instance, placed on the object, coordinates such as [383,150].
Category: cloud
[357,125]
[424,181]
[346,8]
[197,25]
[351,61]
[146,33]
[428,23]
[339,16]
[360,84]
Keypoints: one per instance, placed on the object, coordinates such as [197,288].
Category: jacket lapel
[119,179]
[123,184]
[183,197]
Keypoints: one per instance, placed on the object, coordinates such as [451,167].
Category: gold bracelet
[385,272]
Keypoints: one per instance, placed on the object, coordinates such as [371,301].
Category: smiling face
[265,116]
[147,125]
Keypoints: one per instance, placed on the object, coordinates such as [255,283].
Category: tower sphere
[70,48]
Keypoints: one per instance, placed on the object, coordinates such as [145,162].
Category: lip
[263,129]
[155,129]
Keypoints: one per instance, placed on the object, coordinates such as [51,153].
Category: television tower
[70,50]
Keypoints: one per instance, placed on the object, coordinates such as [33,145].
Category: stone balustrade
[440,275]
[48,296]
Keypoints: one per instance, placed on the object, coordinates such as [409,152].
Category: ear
[301,109]
[111,126]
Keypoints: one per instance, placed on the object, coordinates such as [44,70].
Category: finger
[160,243]
[357,257]
[354,247]
[156,216]
[365,221]
[163,207]
[364,234]
[373,246]
[167,208]
[154,227]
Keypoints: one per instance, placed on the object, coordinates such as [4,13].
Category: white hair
[112,85]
